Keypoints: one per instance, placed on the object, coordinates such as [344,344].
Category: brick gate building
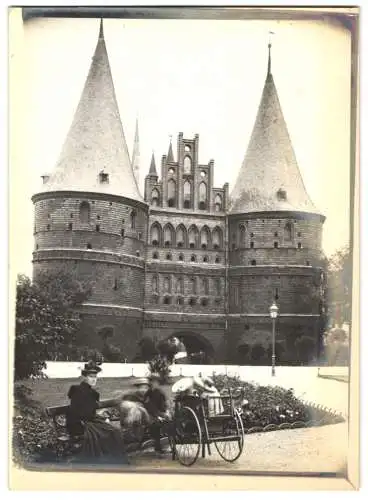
[185,259]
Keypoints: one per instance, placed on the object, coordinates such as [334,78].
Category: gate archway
[199,349]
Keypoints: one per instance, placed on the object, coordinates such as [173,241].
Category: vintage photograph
[182,211]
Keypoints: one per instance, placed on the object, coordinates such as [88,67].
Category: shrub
[112,353]
[147,349]
[159,364]
[34,436]
[305,347]
[258,353]
[266,405]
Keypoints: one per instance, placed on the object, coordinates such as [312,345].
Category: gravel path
[312,450]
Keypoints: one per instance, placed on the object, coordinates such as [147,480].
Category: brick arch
[194,342]
[181,236]
[156,230]
[217,237]
[205,237]
[169,235]
[193,234]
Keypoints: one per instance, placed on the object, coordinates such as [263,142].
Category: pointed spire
[269,178]
[136,153]
[170,154]
[152,170]
[270,33]
[269,60]
[101,34]
[96,141]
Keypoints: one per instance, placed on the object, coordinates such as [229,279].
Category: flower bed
[267,408]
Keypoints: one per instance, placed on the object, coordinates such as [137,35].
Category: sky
[187,76]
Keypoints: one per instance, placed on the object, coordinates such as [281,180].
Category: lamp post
[273,313]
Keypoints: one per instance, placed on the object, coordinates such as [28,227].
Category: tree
[340,284]
[258,354]
[279,352]
[147,349]
[305,347]
[46,323]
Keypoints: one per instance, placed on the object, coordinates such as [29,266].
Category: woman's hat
[91,368]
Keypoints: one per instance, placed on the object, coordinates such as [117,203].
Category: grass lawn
[53,392]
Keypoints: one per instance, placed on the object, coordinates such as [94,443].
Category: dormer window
[104,177]
[281,195]
[45,178]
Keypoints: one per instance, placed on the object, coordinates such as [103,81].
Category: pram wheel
[186,438]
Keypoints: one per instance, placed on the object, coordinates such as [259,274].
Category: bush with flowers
[276,407]
[34,436]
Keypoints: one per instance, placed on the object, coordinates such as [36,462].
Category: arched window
[275,244]
[84,212]
[193,283]
[168,256]
[171,193]
[202,191]
[179,287]
[253,263]
[288,231]
[168,235]
[187,165]
[167,285]
[133,218]
[192,237]
[218,203]
[193,258]
[242,232]
[155,255]
[155,284]
[155,234]
[187,194]
[217,238]
[217,260]
[252,244]
[181,257]
[205,287]
[205,236]
[181,236]
[205,259]
[155,197]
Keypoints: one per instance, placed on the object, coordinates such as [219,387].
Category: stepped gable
[95,142]
[269,178]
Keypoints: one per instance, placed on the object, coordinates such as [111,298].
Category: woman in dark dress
[101,441]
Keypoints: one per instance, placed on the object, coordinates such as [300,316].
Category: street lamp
[273,313]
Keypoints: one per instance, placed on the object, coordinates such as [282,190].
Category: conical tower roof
[95,142]
[269,178]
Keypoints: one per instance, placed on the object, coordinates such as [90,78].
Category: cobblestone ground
[310,450]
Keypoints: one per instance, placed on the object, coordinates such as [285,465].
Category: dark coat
[100,439]
[155,402]
[83,405]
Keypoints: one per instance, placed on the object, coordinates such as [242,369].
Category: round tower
[90,219]
[275,251]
